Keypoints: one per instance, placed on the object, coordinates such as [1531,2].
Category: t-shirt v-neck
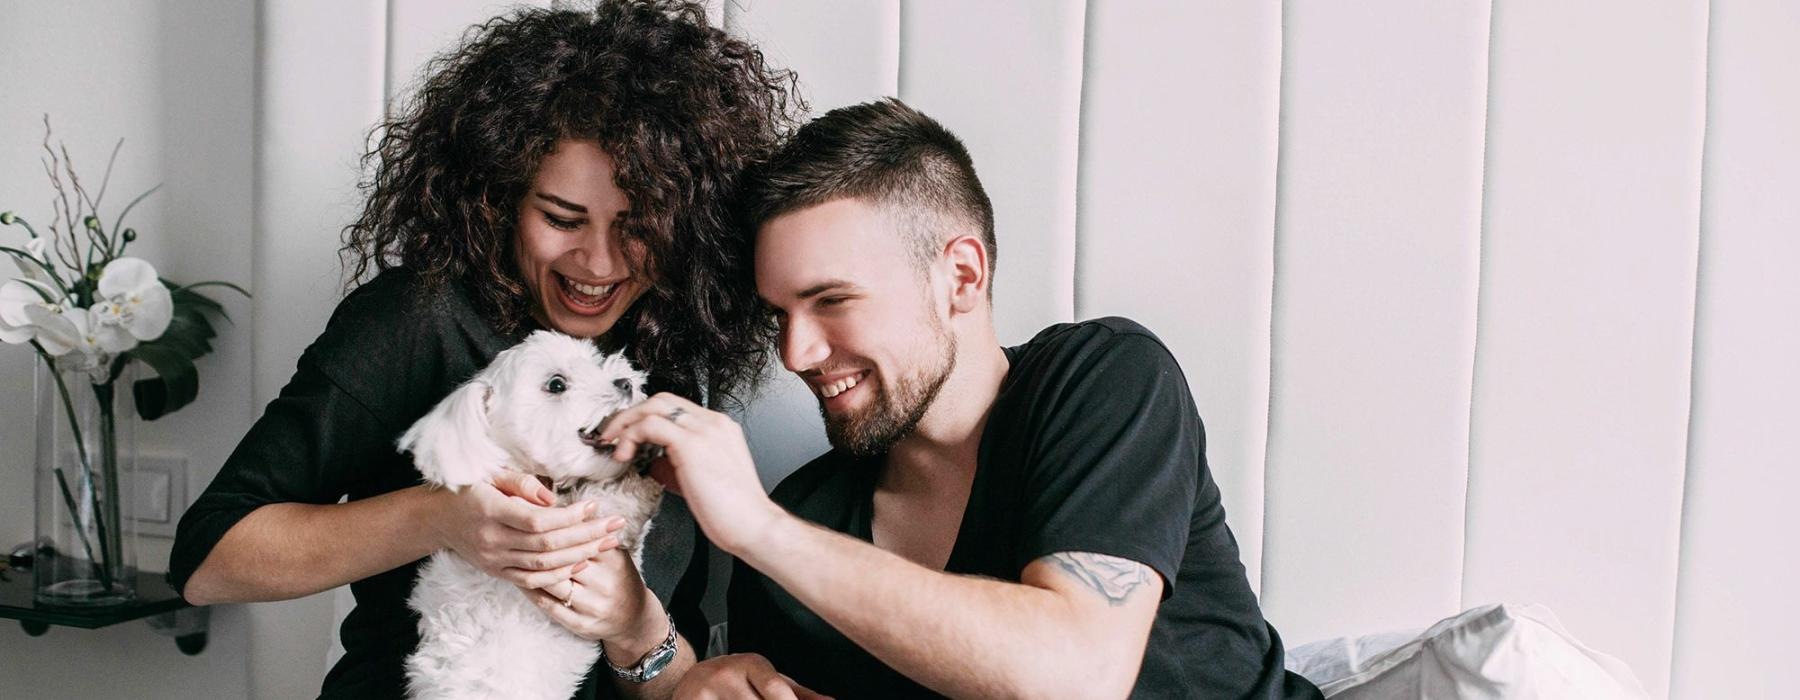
[861,515]
[861,523]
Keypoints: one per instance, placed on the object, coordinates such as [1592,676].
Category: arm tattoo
[1112,577]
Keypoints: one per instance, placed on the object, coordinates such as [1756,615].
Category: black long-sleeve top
[392,349]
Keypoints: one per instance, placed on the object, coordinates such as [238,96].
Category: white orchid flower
[61,329]
[15,326]
[67,333]
[132,305]
[39,249]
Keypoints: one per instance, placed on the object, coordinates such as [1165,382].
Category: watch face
[658,661]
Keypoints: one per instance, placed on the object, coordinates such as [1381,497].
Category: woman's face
[569,248]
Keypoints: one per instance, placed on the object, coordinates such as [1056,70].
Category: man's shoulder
[1115,341]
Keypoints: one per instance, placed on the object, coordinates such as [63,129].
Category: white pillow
[1494,651]
[1328,660]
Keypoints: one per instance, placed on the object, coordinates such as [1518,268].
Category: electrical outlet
[159,488]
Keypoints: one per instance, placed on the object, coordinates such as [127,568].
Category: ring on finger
[569,601]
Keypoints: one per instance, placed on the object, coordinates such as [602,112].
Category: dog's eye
[557,384]
[624,385]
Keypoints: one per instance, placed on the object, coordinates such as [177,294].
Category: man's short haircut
[890,155]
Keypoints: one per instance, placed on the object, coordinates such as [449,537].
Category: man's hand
[508,530]
[746,676]
[705,460]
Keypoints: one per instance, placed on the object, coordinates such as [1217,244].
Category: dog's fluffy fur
[480,637]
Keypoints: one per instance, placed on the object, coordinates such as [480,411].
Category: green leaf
[218,283]
[176,383]
[193,316]
[172,356]
[187,342]
[190,297]
[184,297]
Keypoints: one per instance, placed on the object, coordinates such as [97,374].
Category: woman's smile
[587,299]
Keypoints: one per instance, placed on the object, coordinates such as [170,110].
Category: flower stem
[110,511]
[62,482]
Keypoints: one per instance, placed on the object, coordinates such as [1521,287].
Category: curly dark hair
[680,106]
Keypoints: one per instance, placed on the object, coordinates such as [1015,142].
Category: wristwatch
[653,662]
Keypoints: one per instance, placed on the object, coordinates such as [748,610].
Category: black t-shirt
[1093,445]
[392,350]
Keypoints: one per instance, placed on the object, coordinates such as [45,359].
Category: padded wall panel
[844,53]
[1739,571]
[1376,261]
[319,94]
[320,82]
[1006,78]
[1587,309]
[1175,221]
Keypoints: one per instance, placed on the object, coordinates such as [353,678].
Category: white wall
[1480,301]
[175,81]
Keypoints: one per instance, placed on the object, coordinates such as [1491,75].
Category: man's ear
[451,445]
[967,260]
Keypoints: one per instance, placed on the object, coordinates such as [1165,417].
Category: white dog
[537,409]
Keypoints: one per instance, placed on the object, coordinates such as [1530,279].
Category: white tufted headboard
[1480,302]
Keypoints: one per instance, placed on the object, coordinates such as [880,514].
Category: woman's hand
[606,601]
[739,676]
[509,531]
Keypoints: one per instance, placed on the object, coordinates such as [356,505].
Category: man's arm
[1074,622]
[1077,622]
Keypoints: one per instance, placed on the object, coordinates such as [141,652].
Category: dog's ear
[451,445]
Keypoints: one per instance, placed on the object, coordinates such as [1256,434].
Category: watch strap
[651,664]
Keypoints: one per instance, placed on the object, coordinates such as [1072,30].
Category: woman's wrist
[648,631]
[428,508]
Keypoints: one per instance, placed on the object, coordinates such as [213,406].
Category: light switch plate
[159,488]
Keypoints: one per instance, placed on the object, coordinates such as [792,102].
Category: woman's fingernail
[578,567]
[590,509]
[615,523]
[609,543]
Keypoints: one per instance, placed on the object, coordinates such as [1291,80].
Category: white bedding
[1494,651]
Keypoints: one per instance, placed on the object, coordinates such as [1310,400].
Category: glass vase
[86,457]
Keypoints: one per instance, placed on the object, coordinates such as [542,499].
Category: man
[1035,521]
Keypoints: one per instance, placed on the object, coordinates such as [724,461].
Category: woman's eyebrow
[558,201]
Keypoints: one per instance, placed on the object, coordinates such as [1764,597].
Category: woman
[561,169]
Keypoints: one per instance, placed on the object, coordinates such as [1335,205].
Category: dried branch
[107,178]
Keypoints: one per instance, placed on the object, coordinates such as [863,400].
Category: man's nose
[803,347]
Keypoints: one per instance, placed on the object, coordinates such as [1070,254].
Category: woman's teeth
[838,387]
[591,290]
[590,294]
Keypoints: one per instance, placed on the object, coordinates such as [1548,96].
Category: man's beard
[890,418]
